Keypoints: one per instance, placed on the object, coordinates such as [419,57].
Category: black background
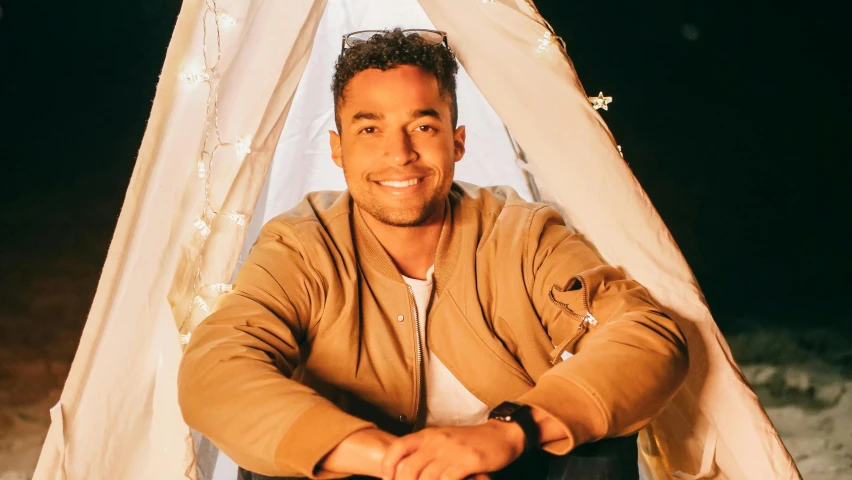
[731,114]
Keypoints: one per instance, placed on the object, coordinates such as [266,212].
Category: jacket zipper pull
[568,344]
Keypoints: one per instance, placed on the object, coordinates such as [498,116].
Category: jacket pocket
[573,299]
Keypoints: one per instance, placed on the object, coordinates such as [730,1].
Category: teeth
[406,183]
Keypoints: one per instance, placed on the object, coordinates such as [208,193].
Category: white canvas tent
[267,102]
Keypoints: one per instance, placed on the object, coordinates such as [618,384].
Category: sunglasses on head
[431,37]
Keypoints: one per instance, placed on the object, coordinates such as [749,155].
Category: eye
[426,128]
[368,130]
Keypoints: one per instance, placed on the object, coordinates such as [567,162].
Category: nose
[400,150]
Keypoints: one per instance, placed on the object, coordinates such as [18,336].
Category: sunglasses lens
[431,38]
[361,37]
[357,38]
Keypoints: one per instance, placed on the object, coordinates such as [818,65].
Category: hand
[453,453]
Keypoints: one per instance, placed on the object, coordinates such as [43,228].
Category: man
[410,303]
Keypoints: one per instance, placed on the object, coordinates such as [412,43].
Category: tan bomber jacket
[318,337]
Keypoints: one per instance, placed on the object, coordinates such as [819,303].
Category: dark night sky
[737,135]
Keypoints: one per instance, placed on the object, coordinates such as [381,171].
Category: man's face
[396,145]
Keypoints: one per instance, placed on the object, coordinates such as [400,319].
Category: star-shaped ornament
[600,101]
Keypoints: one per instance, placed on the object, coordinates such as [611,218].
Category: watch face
[504,411]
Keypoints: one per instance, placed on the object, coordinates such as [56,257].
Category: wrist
[550,429]
[360,453]
[512,433]
[519,415]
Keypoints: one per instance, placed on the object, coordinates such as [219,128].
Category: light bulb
[202,227]
[237,218]
[600,101]
[200,303]
[545,42]
[243,146]
[197,77]
[226,19]
[220,287]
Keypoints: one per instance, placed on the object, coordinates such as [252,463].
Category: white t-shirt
[448,403]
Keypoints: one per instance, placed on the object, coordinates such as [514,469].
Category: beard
[408,216]
[407,212]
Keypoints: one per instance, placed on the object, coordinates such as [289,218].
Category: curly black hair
[390,50]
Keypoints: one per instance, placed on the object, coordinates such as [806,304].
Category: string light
[220,287]
[243,146]
[545,42]
[226,19]
[200,303]
[202,227]
[600,102]
[213,19]
[197,77]
[549,38]
[237,218]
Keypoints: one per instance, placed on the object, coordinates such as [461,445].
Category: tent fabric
[118,415]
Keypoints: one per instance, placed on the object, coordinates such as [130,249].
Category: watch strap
[522,415]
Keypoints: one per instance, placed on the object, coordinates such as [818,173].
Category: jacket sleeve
[629,359]
[234,381]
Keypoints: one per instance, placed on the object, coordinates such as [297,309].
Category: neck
[412,249]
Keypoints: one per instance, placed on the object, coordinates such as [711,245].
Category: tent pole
[522,157]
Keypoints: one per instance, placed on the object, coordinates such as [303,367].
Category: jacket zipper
[419,348]
[585,320]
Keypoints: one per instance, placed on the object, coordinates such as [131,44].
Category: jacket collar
[372,255]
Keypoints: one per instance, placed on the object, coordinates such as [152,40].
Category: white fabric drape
[118,415]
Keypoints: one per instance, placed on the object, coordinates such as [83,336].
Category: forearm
[270,425]
[230,391]
[360,453]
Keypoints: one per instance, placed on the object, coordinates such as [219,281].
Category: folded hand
[453,453]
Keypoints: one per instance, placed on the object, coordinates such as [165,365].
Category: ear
[336,149]
[459,137]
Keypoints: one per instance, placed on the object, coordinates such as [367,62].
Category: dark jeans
[610,459]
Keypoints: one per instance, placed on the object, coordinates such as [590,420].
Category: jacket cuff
[326,426]
[575,408]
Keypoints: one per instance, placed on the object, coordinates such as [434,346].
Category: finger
[460,471]
[478,476]
[411,467]
[398,450]
[433,470]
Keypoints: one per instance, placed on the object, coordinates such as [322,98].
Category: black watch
[522,415]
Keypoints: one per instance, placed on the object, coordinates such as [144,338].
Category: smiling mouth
[401,183]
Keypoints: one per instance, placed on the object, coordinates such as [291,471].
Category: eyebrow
[367,116]
[424,112]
